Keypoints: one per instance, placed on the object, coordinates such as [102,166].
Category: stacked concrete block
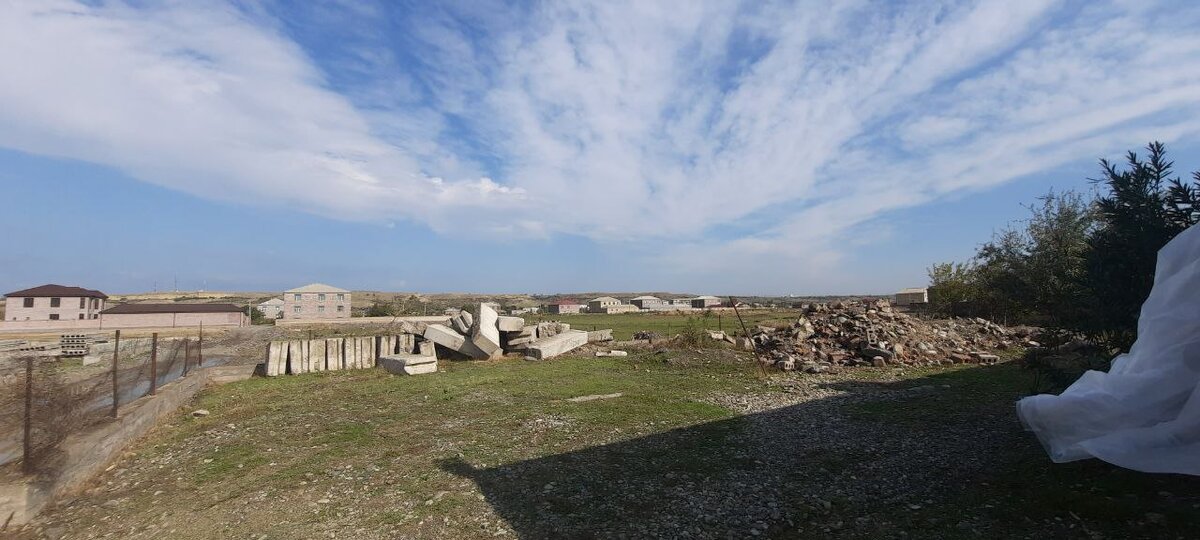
[450,339]
[334,354]
[556,345]
[510,324]
[486,334]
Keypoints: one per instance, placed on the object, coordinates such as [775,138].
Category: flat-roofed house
[173,315]
[53,303]
[316,301]
[910,296]
[702,302]
[272,308]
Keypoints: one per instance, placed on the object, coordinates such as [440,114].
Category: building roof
[566,302]
[58,291]
[317,288]
[172,308]
[273,302]
[646,297]
[706,297]
[604,299]
[913,290]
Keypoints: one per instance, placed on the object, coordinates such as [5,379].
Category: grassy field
[669,323]
[697,445]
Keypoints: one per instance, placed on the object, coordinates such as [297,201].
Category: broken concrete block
[600,335]
[550,347]
[448,338]
[297,361]
[405,343]
[520,341]
[460,324]
[486,335]
[510,324]
[387,345]
[276,358]
[408,364]
[426,348]
[334,359]
[611,353]
[368,350]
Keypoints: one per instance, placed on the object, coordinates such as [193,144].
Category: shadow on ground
[922,458]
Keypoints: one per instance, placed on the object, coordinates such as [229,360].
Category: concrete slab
[460,324]
[550,347]
[296,362]
[486,334]
[448,338]
[368,349]
[408,364]
[510,324]
[334,359]
[600,335]
[316,355]
[276,358]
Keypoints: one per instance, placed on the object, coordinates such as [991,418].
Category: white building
[910,296]
[271,309]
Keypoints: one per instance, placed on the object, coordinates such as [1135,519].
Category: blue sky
[706,147]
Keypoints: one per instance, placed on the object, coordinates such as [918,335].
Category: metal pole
[153,362]
[27,457]
[187,353]
[200,347]
[757,359]
[116,358]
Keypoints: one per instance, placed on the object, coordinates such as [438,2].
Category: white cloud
[630,122]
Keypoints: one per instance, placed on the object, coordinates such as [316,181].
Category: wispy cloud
[631,122]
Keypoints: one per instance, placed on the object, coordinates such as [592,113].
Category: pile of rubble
[855,333]
[491,335]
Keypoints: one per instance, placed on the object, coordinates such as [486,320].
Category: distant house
[702,302]
[649,302]
[565,305]
[54,303]
[598,305]
[173,315]
[316,301]
[271,309]
[908,297]
[523,311]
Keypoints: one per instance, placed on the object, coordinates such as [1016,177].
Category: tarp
[1144,414]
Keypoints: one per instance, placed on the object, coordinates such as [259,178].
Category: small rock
[199,413]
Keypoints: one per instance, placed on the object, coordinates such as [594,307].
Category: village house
[703,302]
[53,303]
[566,305]
[649,302]
[911,296]
[316,301]
[173,315]
[598,305]
[271,309]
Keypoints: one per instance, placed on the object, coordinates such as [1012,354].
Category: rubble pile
[490,335]
[855,333]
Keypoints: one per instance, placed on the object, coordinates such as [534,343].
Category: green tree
[1143,210]
[951,287]
[380,308]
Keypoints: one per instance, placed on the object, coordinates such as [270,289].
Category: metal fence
[45,396]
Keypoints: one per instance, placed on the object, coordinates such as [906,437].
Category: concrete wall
[171,320]
[86,454]
[435,319]
[904,299]
[316,305]
[568,308]
[68,308]
[37,326]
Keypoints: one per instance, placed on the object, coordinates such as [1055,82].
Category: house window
[321,297]
[81,316]
[54,316]
[55,302]
[320,309]
[341,309]
[341,297]
[295,309]
[296,297]
[96,316]
[28,302]
[82,302]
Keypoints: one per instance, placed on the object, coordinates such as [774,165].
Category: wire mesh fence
[45,397]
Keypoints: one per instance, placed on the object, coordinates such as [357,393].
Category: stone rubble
[855,333]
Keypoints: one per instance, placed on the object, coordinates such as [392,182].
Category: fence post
[116,358]
[200,347]
[27,456]
[187,354]
[153,362]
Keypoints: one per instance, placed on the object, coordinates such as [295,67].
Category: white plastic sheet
[1144,414]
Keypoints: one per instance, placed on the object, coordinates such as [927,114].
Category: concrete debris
[855,333]
[612,353]
[448,338]
[409,364]
[545,348]
[486,334]
[594,397]
[600,335]
[510,324]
